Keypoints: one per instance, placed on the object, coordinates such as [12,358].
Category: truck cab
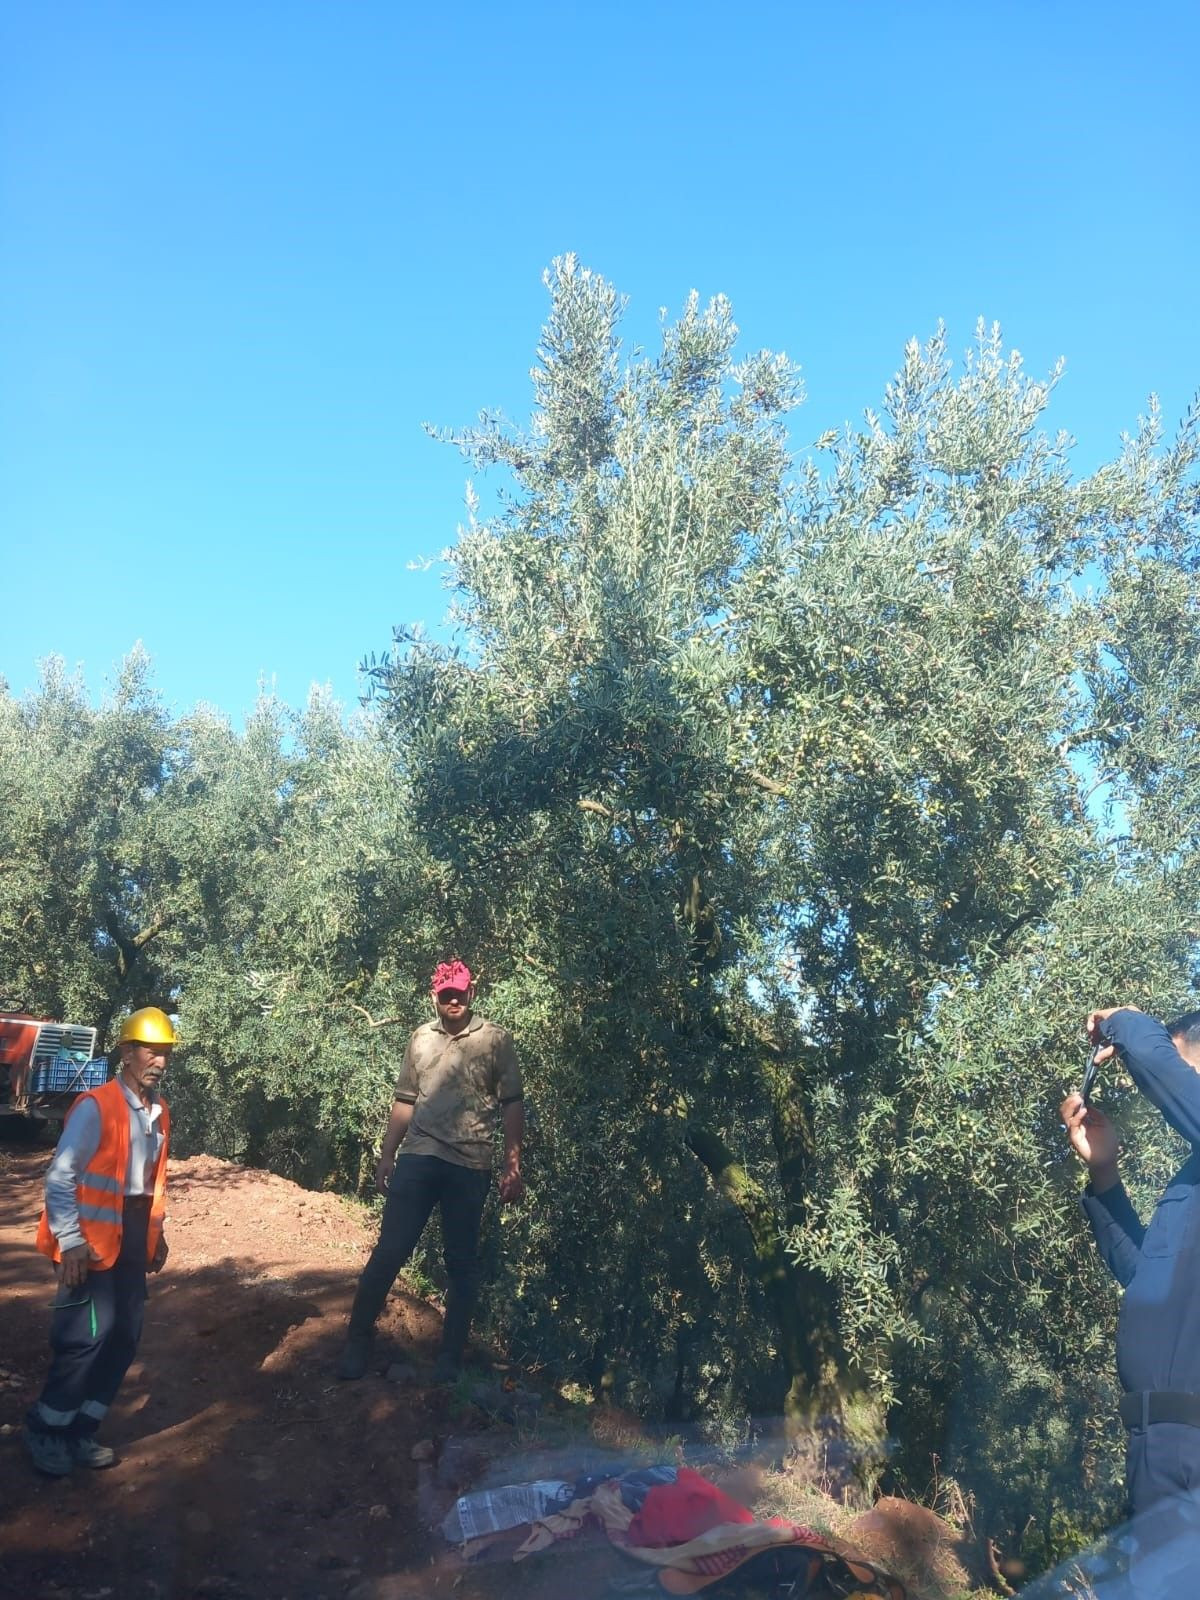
[45,1065]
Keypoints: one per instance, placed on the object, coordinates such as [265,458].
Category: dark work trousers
[418,1184]
[1162,1474]
[94,1333]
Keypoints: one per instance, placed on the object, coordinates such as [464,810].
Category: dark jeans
[94,1334]
[418,1184]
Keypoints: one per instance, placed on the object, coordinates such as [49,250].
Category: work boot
[89,1452]
[49,1452]
[356,1357]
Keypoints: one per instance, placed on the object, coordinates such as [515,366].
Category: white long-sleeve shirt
[79,1142]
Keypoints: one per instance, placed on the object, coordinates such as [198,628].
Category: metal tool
[1089,1075]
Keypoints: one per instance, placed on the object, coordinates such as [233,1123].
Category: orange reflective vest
[100,1192]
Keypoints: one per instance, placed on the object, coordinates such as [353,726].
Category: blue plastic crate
[67,1074]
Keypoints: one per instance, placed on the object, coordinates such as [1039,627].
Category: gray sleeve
[1117,1229]
[1157,1068]
[79,1143]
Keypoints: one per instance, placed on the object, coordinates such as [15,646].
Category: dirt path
[245,1469]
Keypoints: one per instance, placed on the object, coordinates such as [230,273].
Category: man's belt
[1145,1406]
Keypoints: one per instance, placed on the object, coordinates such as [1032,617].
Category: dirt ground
[245,1470]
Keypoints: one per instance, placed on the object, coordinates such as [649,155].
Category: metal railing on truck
[45,1065]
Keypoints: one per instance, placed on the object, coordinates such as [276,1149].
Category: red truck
[44,1065]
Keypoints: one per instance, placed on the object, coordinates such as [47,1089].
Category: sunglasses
[451,997]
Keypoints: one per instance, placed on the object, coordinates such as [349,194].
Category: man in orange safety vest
[102,1228]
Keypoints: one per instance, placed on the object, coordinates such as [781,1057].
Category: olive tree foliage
[576,775]
[995,838]
[262,884]
[115,844]
[800,811]
[301,1020]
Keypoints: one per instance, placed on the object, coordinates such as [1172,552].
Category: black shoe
[49,1452]
[89,1452]
[356,1357]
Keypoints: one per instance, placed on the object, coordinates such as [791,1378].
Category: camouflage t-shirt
[456,1083]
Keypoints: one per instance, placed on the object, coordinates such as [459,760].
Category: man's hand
[72,1270]
[512,1187]
[159,1260]
[1093,1138]
[1095,1018]
[383,1172]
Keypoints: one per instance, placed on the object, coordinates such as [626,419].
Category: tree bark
[799,1298]
[829,1413]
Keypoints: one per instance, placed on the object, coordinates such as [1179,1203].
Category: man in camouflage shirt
[458,1073]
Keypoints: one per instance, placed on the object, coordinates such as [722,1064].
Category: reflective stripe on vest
[99,1194]
[101,1180]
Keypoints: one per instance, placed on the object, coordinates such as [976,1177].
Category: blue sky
[248,251]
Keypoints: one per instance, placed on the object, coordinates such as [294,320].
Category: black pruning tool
[1089,1075]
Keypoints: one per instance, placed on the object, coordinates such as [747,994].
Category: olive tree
[299,1005]
[87,912]
[802,808]
[260,883]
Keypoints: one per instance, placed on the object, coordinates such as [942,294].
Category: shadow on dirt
[244,1469]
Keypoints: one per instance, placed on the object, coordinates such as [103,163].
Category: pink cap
[452,975]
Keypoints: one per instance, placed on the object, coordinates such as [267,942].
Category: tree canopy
[794,807]
[804,811]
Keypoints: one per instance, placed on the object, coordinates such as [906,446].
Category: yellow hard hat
[147,1026]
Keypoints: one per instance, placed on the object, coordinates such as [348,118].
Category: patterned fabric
[807,1567]
[775,1550]
[604,1506]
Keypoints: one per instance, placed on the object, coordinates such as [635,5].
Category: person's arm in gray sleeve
[1157,1068]
[1117,1229]
[79,1142]
[1106,1204]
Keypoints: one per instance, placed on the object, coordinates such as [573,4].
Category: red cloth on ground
[673,1513]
